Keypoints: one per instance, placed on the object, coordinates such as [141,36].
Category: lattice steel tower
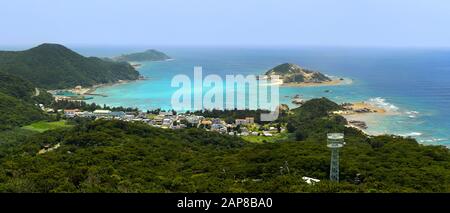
[334,142]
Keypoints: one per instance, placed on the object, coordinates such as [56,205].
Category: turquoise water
[66,93]
[412,83]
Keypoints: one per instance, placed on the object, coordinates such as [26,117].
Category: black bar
[54,202]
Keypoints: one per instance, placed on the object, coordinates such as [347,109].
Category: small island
[148,55]
[294,75]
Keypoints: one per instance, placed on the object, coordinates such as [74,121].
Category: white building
[102,113]
[310,181]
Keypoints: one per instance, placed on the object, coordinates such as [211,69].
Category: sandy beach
[119,82]
[81,91]
[333,82]
[361,115]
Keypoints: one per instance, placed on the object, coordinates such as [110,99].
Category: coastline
[137,65]
[94,87]
[362,115]
[333,82]
[90,90]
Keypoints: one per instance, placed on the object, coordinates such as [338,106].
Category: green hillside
[16,112]
[55,66]
[116,156]
[148,55]
[18,102]
[294,73]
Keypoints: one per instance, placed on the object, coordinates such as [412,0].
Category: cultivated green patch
[43,126]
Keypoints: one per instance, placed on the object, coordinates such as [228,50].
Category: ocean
[414,84]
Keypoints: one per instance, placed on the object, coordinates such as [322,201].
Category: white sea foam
[412,114]
[381,103]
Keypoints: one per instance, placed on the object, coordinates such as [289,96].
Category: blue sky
[418,23]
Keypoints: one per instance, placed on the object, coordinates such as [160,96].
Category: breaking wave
[381,103]
[412,114]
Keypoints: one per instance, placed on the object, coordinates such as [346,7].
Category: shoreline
[90,90]
[360,114]
[135,64]
[94,87]
[333,82]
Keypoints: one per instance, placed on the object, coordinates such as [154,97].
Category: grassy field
[43,126]
[262,139]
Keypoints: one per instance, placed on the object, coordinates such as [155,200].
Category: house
[245,121]
[167,122]
[158,120]
[219,128]
[206,122]
[128,117]
[194,120]
[70,113]
[168,113]
[250,120]
[99,113]
[118,114]
[141,115]
[240,122]
[86,114]
[137,120]
[216,121]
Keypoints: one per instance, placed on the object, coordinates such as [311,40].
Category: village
[245,126]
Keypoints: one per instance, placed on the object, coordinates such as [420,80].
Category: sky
[379,23]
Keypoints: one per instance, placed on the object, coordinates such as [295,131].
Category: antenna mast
[335,141]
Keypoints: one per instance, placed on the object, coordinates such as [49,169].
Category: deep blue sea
[413,83]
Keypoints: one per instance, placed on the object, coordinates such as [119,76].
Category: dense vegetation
[231,115]
[18,101]
[148,55]
[294,73]
[16,112]
[54,66]
[83,106]
[116,156]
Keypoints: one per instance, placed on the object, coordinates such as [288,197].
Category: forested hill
[148,55]
[54,66]
[18,102]
[294,73]
[117,156]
